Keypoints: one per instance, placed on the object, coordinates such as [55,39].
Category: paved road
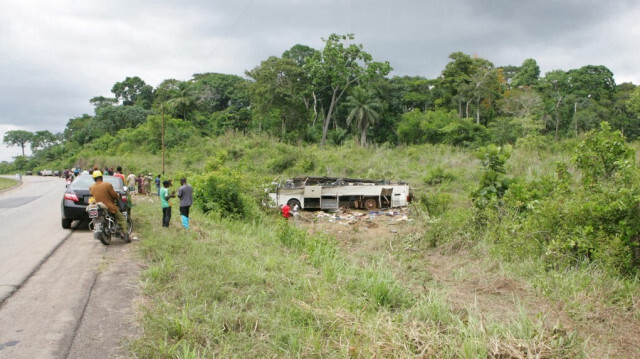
[62,293]
[31,230]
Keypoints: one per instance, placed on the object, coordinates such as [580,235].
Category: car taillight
[71,197]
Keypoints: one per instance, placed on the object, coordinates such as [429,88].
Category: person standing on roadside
[120,175]
[147,184]
[131,182]
[185,193]
[157,181]
[166,205]
[140,181]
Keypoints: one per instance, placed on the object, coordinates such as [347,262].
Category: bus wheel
[370,204]
[293,203]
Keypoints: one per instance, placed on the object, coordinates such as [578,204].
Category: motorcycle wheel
[105,238]
[130,225]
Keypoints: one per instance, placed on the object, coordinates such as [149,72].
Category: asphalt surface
[62,293]
[31,230]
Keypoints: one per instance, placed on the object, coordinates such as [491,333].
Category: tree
[555,87]
[184,100]
[42,139]
[528,74]
[133,91]
[365,109]
[485,87]
[299,53]
[17,138]
[278,90]
[466,80]
[339,66]
[109,120]
[76,129]
[216,92]
[521,102]
[454,80]
[101,101]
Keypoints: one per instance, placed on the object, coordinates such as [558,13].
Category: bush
[438,176]
[221,193]
[569,221]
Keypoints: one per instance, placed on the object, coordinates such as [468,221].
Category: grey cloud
[58,55]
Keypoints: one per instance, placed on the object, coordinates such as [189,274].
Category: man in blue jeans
[185,193]
[157,181]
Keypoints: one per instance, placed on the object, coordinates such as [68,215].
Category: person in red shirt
[121,175]
[286,211]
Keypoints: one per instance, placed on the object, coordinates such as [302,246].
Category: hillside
[461,278]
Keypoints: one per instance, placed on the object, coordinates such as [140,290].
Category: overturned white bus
[333,193]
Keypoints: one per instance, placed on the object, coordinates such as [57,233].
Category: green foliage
[493,183]
[223,194]
[436,203]
[569,221]
[602,153]
[439,175]
[439,126]
[17,138]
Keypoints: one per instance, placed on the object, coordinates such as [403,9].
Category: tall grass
[269,289]
[262,288]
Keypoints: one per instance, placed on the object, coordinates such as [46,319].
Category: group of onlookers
[141,184]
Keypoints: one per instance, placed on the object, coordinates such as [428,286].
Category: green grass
[7,182]
[264,288]
[259,288]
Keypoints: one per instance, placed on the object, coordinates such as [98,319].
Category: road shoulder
[109,321]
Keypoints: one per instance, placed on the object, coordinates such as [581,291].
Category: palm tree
[184,100]
[365,108]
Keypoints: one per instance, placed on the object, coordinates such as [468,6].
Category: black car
[76,198]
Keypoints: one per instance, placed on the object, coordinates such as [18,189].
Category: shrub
[493,183]
[438,175]
[221,193]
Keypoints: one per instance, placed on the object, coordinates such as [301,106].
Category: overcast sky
[56,55]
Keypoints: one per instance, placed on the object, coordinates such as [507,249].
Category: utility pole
[163,139]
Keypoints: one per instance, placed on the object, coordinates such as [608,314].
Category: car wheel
[66,223]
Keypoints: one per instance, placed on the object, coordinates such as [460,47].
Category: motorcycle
[104,225]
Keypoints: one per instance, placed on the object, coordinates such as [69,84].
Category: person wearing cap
[103,192]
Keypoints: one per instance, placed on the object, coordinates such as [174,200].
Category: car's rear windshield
[85,181]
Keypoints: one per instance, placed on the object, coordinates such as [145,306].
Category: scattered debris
[352,217]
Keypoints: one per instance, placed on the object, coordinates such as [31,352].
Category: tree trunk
[327,120]
[478,111]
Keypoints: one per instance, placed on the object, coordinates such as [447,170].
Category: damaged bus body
[334,193]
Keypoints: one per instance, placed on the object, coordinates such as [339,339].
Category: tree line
[339,92]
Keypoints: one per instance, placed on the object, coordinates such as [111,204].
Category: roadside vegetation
[524,239]
[464,279]
[7,182]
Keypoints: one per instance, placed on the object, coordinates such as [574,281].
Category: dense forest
[339,92]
